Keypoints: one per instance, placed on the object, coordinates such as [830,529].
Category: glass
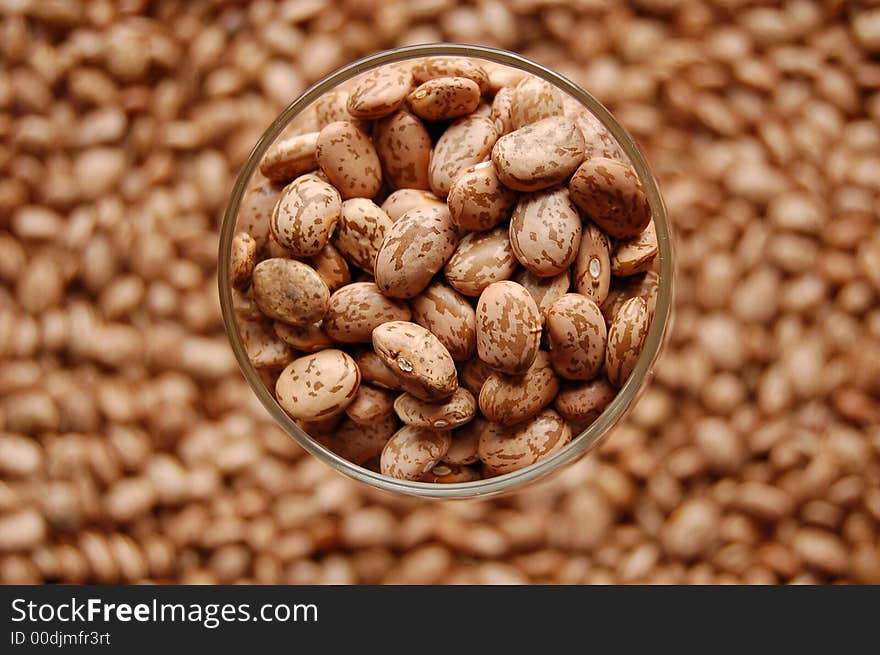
[581,444]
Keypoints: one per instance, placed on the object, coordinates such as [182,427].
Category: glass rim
[580,444]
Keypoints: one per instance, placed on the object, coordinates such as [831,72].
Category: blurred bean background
[131,449]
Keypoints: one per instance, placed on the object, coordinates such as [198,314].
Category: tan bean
[626,336]
[242,259]
[583,402]
[474,374]
[504,450]
[360,231]
[592,267]
[545,231]
[264,348]
[289,158]
[255,212]
[539,155]
[380,92]
[374,370]
[508,328]
[444,474]
[477,199]
[449,316]
[465,443]
[508,399]
[290,291]
[356,309]
[455,411]
[402,200]
[414,249]
[306,338]
[349,160]
[533,100]
[480,259]
[432,67]
[611,194]
[358,443]
[577,334]
[305,216]
[318,386]
[466,142]
[501,117]
[331,266]
[544,290]
[444,98]
[404,148]
[418,359]
[412,452]
[370,406]
[635,255]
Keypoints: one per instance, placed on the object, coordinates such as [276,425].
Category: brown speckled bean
[371,405]
[477,199]
[402,200]
[592,268]
[356,309]
[465,442]
[455,411]
[480,259]
[474,374]
[332,267]
[508,328]
[414,249]
[444,98]
[598,141]
[626,336]
[501,106]
[533,100]
[404,148]
[380,91]
[431,67]
[466,142]
[511,399]
[445,474]
[610,193]
[544,290]
[450,317]
[636,255]
[539,155]
[255,213]
[583,402]
[504,450]
[348,158]
[356,442]
[319,385]
[361,228]
[242,259]
[308,338]
[577,334]
[412,452]
[264,348]
[290,291]
[545,231]
[374,370]
[289,158]
[418,359]
[305,216]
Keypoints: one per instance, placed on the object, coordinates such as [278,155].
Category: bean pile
[484,227]
[131,448]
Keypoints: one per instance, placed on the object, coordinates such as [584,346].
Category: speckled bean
[455,411]
[348,158]
[412,452]
[242,259]
[305,216]
[305,338]
[477,199]
[544,290]
[480,259]
[371,405]
[610,193]
[422,364]
[504,450]
[635,255]
[402,200]
[534,99]
[444,98]
[445,313]
[626,336]
[508,328]
[359,443]
[466,142]
[380,92]
[577,334]
[545,231]
[290,291]
[511,399]
[404,148]
[356,309]
[289,158]
[414,249]
[583,402]
[361,228]
[592,267]
[319,385]
[331,266]
[539,155]
[431,67]
[465,443]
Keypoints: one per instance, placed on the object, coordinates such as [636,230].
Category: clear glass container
[581,443]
